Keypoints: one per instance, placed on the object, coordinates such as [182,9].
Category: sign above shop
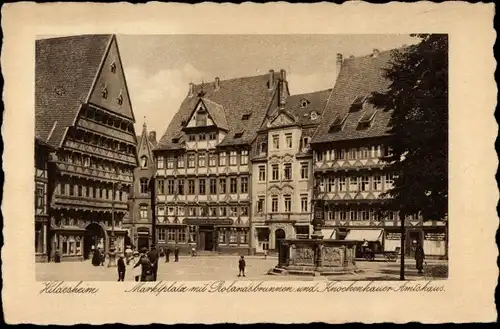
[434,236]
[392,236]
[208,221]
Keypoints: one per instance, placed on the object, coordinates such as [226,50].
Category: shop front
[205,235]
[366,238]
[67,242]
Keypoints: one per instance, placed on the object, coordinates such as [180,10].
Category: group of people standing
[144,264]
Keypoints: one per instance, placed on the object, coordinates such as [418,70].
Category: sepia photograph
[179,156]
[241,157]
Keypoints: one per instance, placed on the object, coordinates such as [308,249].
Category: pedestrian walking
[145,264]
[96,258]
[128,254]
[265,254]
[193,252]
[153,258]
[241,265]
[136,269]
[419,258]
[121,268]
[167,255]
[176,253]
[102,257]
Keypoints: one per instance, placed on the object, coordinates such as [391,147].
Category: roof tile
[64,73]
[359,77]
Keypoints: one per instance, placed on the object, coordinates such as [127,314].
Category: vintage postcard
[248,157]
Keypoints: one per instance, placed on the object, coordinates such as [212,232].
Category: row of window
[202,211]
[68,221]
[356,183]
[286,204]
[203,159]
[82,136]
[111,121]
[72,189]
[287,173]
[201,186]
[93,162]
[202,137]
[362,213]
[373,152]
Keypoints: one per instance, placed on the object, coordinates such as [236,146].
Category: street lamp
[112,247]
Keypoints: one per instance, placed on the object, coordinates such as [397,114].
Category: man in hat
[153,258]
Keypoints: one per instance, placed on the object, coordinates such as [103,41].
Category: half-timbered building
[348,147]
[83,110]
[203,169]
[42,198]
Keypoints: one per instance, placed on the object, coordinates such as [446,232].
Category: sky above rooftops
[159,68]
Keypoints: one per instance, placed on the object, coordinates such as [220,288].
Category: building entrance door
[279,236]
[206,238]
[94,238]
[413,238]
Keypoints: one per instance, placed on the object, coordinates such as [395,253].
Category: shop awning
[360,235]
[328,233]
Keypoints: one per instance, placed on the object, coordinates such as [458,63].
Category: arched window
[144,162]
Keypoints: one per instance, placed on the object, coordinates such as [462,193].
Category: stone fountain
[316,256]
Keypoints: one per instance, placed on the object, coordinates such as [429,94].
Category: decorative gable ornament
[112,67]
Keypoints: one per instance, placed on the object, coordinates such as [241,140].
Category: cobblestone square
[221,268]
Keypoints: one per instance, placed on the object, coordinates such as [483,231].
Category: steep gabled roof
[316,102]
[145,143]
[236,97]
[65,71]
[360,76]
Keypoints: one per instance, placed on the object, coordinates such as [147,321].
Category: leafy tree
[418,98]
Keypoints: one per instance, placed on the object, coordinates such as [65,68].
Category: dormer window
[104,92]
[314,115]
[112,67]
[304,103]
[119,99]
[245,117]
[338,123]
[366,120]
[357,103]
[238,134]
[175,140]
[201,118]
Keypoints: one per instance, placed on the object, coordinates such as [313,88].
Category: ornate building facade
[139,222]
[282,169]
[42,198]
[83,110]
[348,147]
[203,176]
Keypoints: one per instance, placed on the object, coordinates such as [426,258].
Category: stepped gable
[358,77]
[65,71]
[236,97]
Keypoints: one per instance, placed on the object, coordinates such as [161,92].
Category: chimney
[191,89]
[375,53]
[217,83]
[271,79]
[283,75]
[152,136]
[338,64]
